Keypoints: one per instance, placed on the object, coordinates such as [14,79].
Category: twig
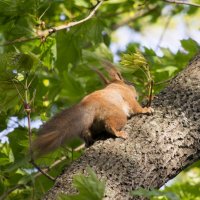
[41,171]
[60,160]
[53,165]
[31,81]
[4,195]
[150,93]
[163,82]
[27,108]
[163,33]
[182,2]
[135,17]
[19,40]
[48,32]
[43,34]
[44,11]
[22,99]
[28,111]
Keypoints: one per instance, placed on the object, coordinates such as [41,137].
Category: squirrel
[107,109]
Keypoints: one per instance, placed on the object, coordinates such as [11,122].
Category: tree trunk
[158,148]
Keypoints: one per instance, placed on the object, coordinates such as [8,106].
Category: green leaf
[15,138]
[135,61]
[170,69]
[4,160]
[70,52]
[95,57]
[154,193]
[89,188]
[48,53]
[72,89]
[190,45]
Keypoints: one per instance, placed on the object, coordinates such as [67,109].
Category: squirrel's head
[116,77]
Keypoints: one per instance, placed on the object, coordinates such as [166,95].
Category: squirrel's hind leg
[114,124]
[87,137]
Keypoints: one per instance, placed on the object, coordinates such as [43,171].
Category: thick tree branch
[182,2]
[158,148]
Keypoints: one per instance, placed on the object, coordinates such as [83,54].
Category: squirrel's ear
[114,74]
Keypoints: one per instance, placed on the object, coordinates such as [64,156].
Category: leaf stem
[150,93]
[27,108]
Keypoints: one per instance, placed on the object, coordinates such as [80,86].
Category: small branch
[41,171]
[10,191]
[19,40]
[43,34]
[49,168]
[182,2]
[135,17]
[150,93]
[27,109]
[163,33]
[82,146]
[163,82]
[46,33]
[22,99]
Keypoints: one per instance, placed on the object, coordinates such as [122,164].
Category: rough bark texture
[158,148]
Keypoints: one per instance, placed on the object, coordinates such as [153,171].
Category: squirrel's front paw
[148,110]
[122,134]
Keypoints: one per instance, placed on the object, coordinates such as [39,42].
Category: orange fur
[106,109]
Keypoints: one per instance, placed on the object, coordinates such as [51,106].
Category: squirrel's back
[106,109]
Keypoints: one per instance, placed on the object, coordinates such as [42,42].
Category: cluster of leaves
[59,73]
[142,67]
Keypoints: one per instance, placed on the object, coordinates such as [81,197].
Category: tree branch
[27,108]
[10,191]
[48,32]
[182,2]
[136,16]
[163,33]
[19,40]
[39,173]
[158,148]
[57,162]
[43,34]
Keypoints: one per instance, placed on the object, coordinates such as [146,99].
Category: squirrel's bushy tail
[68,124]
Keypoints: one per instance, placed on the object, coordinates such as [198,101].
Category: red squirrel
[103,110]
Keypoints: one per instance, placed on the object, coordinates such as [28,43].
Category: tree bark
[158,148]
